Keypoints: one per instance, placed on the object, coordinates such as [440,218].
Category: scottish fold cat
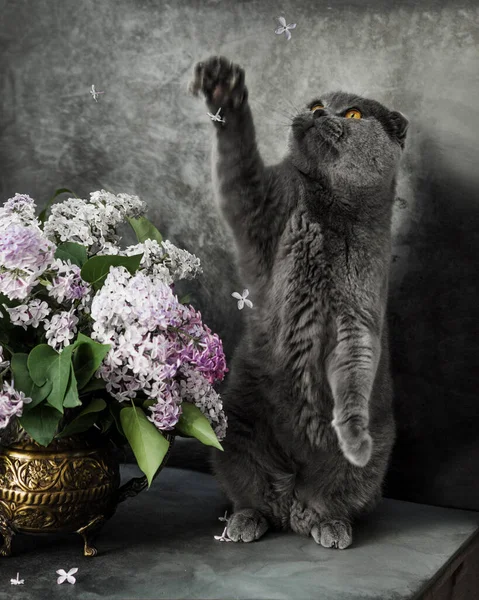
[309,398]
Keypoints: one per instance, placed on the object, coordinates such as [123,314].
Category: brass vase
[70,486]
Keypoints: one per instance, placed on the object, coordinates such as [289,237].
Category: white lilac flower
[20,209]
[24,255]
[162,262]
[224,536]
[17,581]
[242,299]
[283,28]
[181,263]
[3,363]
[64,576]
[32,313]
[94,93]
[61,329]
[11,403]
[91,223]
[67,284]
[216,117]
[196,389]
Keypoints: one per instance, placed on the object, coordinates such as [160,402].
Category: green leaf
[25,383]
[147,443]
[87,358]
[46,364]
[115,410]
[186,299]
[144,229]
[75,253]
[85,419]
[41,423]
[96,269]
[43,215]
[71,398]
[193,423]
[93,386]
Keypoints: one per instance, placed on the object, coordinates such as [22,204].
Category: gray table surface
[161,545]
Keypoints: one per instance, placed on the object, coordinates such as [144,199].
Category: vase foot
[89,532]
[7,533]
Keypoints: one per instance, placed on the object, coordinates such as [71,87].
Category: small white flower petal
[61,579]
[288,34]
[248,303]
[240,304]
[237,295]
[282,20]
[73,571]
[279,30]
[245,293]
[291,26]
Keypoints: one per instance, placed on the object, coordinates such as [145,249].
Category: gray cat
[309,398]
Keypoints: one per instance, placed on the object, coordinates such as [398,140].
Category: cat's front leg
[239,174]
[351,370]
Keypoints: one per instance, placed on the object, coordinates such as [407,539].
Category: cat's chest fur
[306,289]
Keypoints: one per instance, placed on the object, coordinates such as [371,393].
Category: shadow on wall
[434,314]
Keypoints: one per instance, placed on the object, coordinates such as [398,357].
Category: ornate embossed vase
[70,486]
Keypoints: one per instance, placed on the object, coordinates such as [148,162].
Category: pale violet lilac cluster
[25,253]
[11,403]
[67,285]
[155,344]
[61,329]
[91,223]
[30,314]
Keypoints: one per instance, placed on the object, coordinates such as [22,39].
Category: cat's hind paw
[333,533]
[246,525]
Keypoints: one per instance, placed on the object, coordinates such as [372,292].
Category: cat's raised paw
[246,525]
[333,533]
[221,82]
[354,439]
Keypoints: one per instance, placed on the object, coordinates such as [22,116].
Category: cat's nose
[319,112]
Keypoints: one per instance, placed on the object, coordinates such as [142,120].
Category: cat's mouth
[326,128]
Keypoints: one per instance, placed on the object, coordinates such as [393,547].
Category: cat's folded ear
[398,126]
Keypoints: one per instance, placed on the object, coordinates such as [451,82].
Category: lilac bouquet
[93,335]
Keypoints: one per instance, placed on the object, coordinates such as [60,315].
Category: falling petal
[245,293]
[288,34]
[237,295]
[282,20]
[248,303]
[61,579]
[279,30]
[292,26]
[240,304]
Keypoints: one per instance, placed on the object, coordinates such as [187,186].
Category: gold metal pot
[72,485]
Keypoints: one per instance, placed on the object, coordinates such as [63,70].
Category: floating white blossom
[283,28]
[94,93]
[242,299]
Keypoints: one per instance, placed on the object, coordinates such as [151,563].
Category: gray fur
[309,399]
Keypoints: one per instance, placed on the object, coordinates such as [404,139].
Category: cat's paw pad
[221,82]
[246,525]
[354,439]
[334,533]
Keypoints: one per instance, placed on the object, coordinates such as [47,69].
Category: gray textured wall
[146,136]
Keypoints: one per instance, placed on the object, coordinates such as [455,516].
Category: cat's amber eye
[316,107]
[353,114]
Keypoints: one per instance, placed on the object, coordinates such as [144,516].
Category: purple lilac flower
[11,403]
[32,313]
[24,254]
[61,329]
[167,410]
[67,284]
